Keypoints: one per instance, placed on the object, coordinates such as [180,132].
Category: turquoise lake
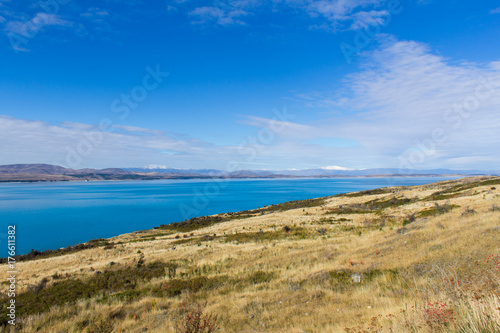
[54,215]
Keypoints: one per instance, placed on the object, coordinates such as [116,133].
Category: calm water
[54,215]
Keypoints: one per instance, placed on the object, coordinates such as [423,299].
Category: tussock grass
[387,260]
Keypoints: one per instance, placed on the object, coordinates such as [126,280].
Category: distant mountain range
[47,172]
[318,172]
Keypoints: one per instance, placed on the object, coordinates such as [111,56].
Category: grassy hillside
[402,259]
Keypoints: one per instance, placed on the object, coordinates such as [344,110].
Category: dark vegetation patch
[373,206]
[195,223]
[457,190]
[246,237]
[33,255]
[41,297]
[122,284]
[494,208]
[468,211]
[175,287]
[159,234]
[308,203]
[332,220]
[376,191]
[186,240]
[260,277]
[343,280]
[191,239]
[436,210]
[142,239]
[206,221]
[410,218]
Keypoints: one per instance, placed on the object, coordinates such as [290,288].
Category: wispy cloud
[363,19]
[95,13]
[289,129]
[37,23]
[224,12]
[219,15]
[21,27]
[342,12]
[327,14]
[27,141]
[405,93]
[495,11]
[83,145]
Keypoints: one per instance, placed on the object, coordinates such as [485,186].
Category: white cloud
[495,11]
[405,93]
[133,129]
[38,22]
[285,129]
[224,12]
[81,145]
[221,16]
[363,20]
[78,145]
[331,14]
[340,11]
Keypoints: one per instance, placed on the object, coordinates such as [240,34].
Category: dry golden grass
[301,280]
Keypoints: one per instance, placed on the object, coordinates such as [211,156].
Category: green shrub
[340,280]
[437,210]
[68,291]
[260,277]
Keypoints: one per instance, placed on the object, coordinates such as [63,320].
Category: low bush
[437,210]
[194,321]
[383,190]
[41,297]
[494,208]
[370,206]
[260,277]
[468,211]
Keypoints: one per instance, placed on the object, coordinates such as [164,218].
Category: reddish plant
[438,314]
[196,322]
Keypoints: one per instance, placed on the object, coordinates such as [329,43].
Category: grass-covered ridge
[390,260]
[206,221]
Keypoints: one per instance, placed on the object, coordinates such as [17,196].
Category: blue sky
[260,84]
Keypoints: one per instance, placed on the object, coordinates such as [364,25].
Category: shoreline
[96,242]
[32,181]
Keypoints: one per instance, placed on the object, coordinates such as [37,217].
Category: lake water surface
[54,215]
